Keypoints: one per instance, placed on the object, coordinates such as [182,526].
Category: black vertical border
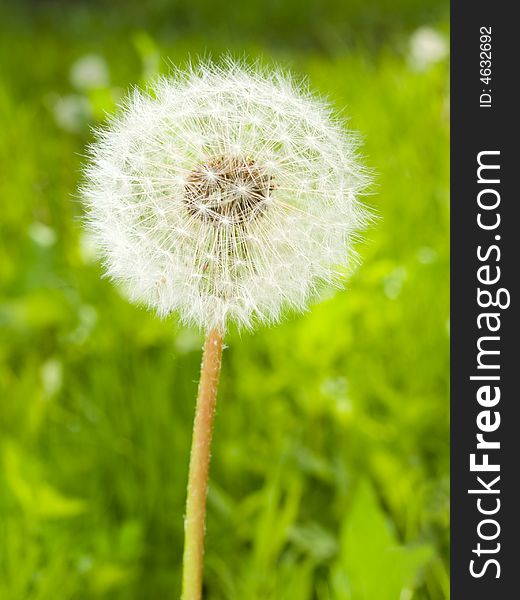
[474,129]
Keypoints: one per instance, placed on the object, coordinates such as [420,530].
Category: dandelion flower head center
[227,190]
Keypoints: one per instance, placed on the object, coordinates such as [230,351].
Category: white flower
[72,112]
[89,72]
[225,194]
[427,46]
[51,373]
[42,234]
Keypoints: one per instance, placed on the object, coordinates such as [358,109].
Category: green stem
[194,523]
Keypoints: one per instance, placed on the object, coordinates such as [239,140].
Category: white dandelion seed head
[225,194]
[427,47]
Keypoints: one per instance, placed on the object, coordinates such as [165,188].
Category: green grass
[330,467]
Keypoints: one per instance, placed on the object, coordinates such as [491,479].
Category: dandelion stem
[194,524]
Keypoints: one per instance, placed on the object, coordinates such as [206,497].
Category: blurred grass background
[330,465]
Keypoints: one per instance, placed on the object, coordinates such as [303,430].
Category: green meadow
[330,464]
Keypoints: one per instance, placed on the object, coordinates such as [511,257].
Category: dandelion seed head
[427,47]
[225,194]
